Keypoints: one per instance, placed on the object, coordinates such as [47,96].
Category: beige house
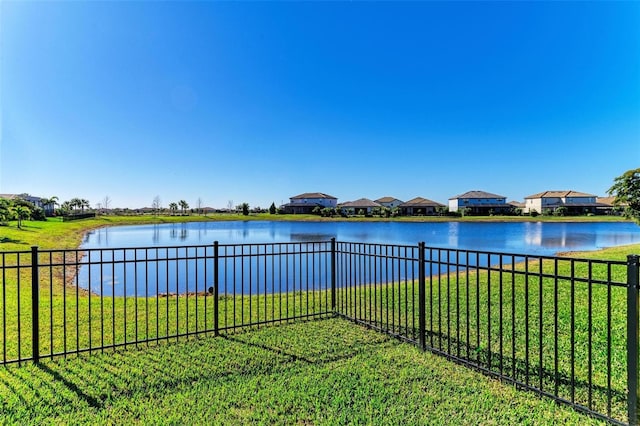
[575,202]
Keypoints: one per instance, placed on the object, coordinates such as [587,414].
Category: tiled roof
[361,203]
[609,201]
[477,194]
[313,195]
[421,202]
[387,200]
[559,194]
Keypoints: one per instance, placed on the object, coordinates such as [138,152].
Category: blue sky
[257,102]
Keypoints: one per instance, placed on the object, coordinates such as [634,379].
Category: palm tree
[84,203]
[21,213]
[173,207]
[75,203]
[183,205]
[53,201]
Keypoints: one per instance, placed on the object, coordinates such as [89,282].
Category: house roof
[313,195]
[559,194]
[387,200]
[421,202]
[477,194]
[306,205]
[518,204]
[361,203]
[609,201]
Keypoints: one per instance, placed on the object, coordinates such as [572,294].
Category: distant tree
[560,211]
[106,201]
[65,208]
[230,205]
[183,206]
[626,189]
[75,203]
[465,211]
[316,210]
[442,210]
[272,208]
[533,213]
[5,211]
[173,208]
[52,201]
[21,213]
[245,209]
[199,205]
[156,205]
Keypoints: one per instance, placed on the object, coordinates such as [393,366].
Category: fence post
[216,283]
[633,262]
[422,338]
[333,274]
[35,305]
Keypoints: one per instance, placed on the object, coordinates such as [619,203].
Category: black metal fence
[562,327]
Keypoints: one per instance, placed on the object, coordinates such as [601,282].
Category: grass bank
[322,373]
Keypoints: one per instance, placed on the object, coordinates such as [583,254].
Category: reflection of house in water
[557,235]
[309,238]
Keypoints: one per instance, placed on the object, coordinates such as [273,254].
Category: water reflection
[178,241]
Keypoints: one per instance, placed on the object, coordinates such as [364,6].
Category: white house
[305,203]
[575,202]
[479,203]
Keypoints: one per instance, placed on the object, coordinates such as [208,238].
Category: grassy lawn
[322,372]
[319,372]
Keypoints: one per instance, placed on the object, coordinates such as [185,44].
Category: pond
[176,258]
[539,238]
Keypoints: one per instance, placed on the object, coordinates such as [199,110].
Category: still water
[539,238]
[170,262]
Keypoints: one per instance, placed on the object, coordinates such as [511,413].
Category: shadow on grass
[99,380]
[77,390]
[10,240]
[525,375]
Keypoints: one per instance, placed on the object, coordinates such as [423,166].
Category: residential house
[574,202]
[362,205]
[480,203]
[36,201]
[305,203]
[608,206]
[389,202]
[419,207]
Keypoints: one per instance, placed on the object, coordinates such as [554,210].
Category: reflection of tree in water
[155,236]
[182,233]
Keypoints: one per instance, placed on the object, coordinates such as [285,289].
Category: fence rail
[562,327]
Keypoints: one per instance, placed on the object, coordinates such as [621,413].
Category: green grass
[362,384]
[320,372]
